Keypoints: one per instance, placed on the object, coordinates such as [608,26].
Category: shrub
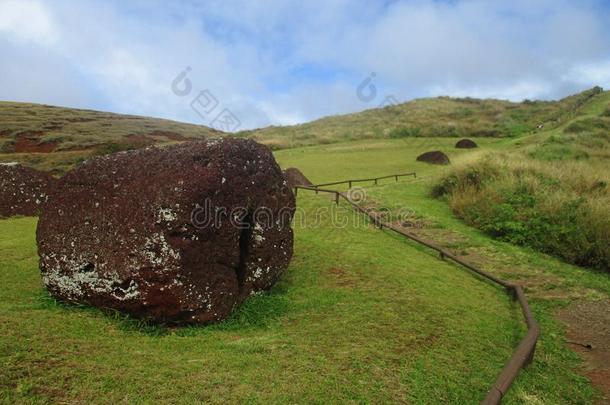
[588,125]
[444,130]
[8,146]
[547,207]
[113,147]
[462,113]
[511,127]
[491,133]
[552,152]
[404,132]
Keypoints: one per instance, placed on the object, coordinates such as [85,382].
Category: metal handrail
[523,355]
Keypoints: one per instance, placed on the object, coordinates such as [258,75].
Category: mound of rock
[294,177]
[434,157]
[181,234]
[466,144]
[23,190]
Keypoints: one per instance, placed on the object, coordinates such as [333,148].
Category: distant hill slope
[556,181]
[54,138]
[442,116]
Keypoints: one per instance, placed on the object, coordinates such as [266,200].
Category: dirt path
[588,323]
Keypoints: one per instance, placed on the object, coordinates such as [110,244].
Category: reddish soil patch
[466,144]
[173,136]
[588,323]
[435,157]
[423,229]
[341,278]
[294,177]
[29,142]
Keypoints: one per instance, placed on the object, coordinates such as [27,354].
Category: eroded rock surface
[23,190]
[181,234]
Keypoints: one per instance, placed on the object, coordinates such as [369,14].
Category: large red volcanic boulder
[23,190]
[294,177]
[181,234]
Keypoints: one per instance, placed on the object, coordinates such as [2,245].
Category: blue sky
[276,62]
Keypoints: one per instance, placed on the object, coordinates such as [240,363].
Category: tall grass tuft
[560,208]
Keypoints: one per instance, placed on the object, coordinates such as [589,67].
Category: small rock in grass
[434,157]
[466,144]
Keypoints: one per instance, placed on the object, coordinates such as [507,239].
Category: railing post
[350,184]
[375,181]
[530,357]
[337,198]
[396,177]
[296,191]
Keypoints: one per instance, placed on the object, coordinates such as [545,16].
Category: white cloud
[515,92]
[598,72]
[27,20]
[279,62]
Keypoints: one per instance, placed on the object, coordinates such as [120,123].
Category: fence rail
[374,179]
[523,355]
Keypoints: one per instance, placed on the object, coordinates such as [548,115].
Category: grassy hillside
[54,138]
[550,192]
[361,316]
[442,116]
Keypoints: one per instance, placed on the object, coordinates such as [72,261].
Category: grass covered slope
[361,315]
[343,325]
[49,137]
[55,138]
[552,194]
[442,116]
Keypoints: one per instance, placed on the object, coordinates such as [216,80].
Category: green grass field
[360,316]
